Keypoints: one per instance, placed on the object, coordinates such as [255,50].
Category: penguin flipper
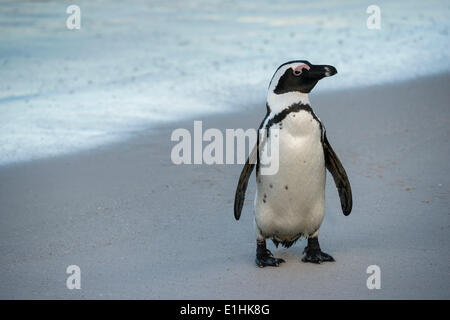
[336,169]
[242,184]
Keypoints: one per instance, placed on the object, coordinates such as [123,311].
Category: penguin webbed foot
[268,259]
[313,253]
[264,257]
[317,257]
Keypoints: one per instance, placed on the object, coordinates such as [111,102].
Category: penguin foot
[267,259]
[313,253]
[264,257]
[317,257]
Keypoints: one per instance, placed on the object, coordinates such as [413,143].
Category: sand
[141,227]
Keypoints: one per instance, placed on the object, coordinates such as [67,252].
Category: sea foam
[136,63]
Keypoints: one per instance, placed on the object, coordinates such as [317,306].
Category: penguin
[290,204]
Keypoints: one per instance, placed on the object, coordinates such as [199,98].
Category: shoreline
[140,227]
[149,128]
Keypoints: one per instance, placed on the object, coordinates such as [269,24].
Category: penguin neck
[279,102]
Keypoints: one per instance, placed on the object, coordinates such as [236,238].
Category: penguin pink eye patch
[299,69]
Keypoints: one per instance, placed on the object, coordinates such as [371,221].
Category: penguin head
[298,76]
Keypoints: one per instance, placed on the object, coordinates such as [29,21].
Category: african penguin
[290,204]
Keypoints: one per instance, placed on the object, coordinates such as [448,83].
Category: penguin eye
[299,69]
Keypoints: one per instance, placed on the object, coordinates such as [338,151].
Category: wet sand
[141,227]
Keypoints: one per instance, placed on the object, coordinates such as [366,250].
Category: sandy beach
[141,227]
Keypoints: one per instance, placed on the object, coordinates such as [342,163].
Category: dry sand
[140,227]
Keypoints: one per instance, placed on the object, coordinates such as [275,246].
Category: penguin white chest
[291,203]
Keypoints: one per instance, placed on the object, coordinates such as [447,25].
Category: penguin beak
[318,72]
